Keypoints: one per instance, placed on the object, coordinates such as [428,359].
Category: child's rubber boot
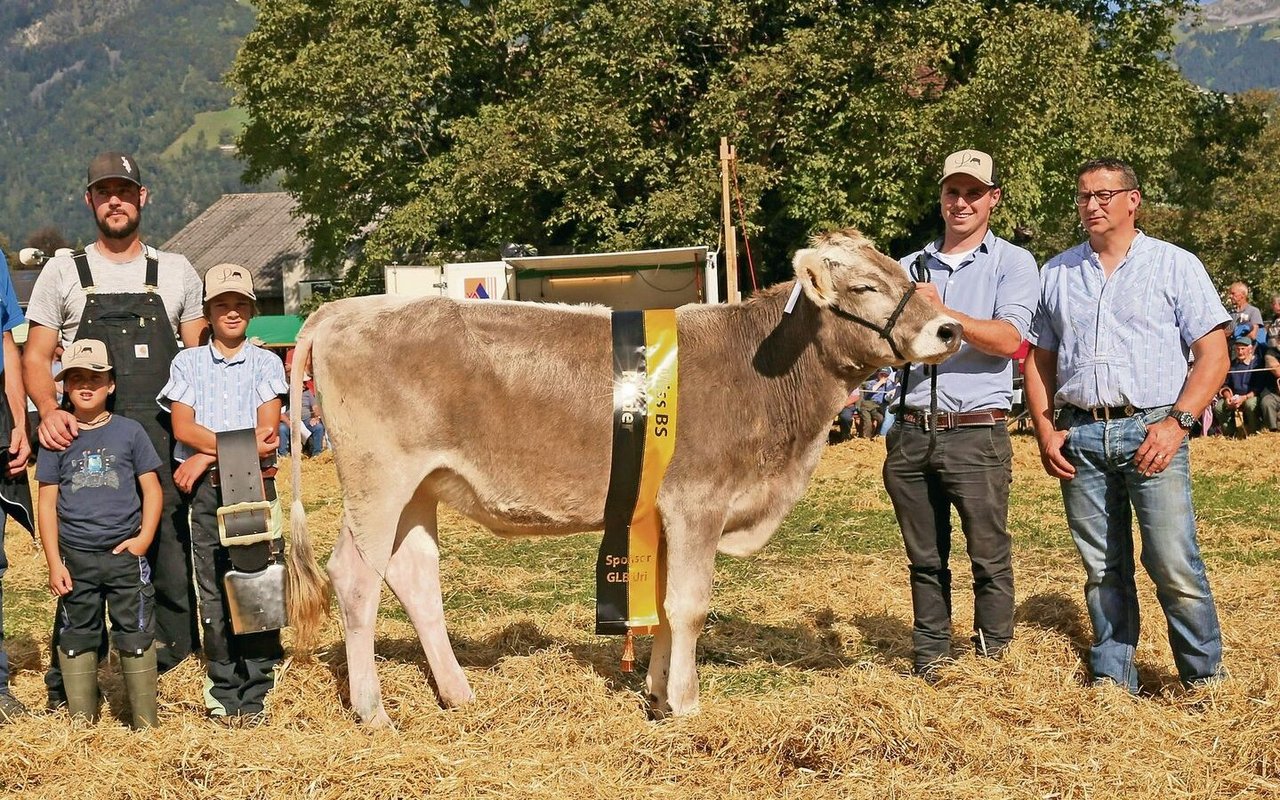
[80,681]
[140,684]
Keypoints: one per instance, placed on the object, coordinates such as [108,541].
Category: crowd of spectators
[1249,400]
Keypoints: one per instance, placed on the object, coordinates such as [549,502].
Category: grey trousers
[969,469]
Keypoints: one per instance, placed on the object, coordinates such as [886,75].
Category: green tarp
[276,331]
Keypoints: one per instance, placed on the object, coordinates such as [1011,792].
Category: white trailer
[631,280]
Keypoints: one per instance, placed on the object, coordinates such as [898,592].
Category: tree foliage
[425,126]
[77,78]
[1231,219]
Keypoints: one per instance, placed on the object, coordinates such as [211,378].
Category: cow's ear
[814,274]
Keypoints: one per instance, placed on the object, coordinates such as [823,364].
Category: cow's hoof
[380,721]
[457,698]
[657,708]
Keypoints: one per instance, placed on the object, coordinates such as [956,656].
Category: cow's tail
[308,588]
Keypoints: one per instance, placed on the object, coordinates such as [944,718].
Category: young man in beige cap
[99,508]
[950,447]
[226,385]
[138,301]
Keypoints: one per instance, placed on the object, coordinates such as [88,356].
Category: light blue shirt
[225,392]
[10,312]
[1124,339]
[997,281]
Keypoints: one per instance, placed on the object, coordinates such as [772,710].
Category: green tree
[426,127]
[1235,226]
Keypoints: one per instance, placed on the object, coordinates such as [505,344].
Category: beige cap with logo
[90,354]
[971,162]
[228,278]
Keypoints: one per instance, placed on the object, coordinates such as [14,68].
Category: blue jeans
[1100,502]
[315,443]
[313,446]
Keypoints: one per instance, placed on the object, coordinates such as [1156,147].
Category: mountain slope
[81,76]
[1232,45]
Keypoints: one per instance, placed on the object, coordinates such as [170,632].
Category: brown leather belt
[946,420]
[1105,413]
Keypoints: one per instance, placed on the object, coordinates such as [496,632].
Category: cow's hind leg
[358,587]
[414,575]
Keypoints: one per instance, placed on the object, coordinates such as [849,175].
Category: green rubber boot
[80,679]
[140,684]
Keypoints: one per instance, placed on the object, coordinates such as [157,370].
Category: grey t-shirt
[97,476]
[57,301]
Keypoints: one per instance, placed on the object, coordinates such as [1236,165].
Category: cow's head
[871,314]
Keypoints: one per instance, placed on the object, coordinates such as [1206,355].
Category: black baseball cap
[113,164]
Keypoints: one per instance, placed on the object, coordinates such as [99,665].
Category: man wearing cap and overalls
[138,300]
[951,447]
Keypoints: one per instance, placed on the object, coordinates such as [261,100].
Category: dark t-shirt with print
[99,505]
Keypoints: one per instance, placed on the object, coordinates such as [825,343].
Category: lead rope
[920,274]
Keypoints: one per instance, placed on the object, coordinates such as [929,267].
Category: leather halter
[886,330]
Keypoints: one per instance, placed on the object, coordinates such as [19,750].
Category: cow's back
[503,408]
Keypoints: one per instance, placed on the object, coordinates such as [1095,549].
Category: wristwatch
[1185,419]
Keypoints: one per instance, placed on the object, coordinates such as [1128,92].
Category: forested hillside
[80,76]
[1233,46]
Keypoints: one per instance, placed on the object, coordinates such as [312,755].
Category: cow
[503,411]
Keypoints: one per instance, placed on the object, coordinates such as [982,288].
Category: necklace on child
[97,421]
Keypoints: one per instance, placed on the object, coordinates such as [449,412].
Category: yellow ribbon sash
[629,567]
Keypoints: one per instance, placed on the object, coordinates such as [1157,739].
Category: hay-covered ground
[805,691]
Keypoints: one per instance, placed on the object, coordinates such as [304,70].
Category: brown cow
[503,411]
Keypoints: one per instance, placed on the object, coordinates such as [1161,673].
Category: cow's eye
[863,288]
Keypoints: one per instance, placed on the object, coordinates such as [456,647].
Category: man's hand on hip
[1055,463]
[1158,449]
[58,429]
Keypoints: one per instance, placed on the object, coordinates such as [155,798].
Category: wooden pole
[727,155]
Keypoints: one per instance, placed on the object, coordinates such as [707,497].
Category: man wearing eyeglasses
[1118,317]
[950,448]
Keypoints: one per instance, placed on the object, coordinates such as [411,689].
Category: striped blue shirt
[225,392]
[1124,339]
[997,281]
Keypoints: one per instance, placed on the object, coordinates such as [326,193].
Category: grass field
[803,664]
[215,125]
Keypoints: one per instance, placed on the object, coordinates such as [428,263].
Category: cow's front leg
[414,575]
[655,680]
[358,588]
[690,570]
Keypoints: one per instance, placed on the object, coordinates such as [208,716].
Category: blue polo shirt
[10,312]
[225,392]
[997,281]
[1124,339]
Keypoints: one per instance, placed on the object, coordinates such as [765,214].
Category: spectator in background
[844,420]
[1269,403]
[1247,318]
[877,393]
[1273,324]
[1246,380]
[312,420]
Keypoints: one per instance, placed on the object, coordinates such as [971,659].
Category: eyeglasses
[1103,196]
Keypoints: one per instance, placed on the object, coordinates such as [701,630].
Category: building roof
[258,231]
